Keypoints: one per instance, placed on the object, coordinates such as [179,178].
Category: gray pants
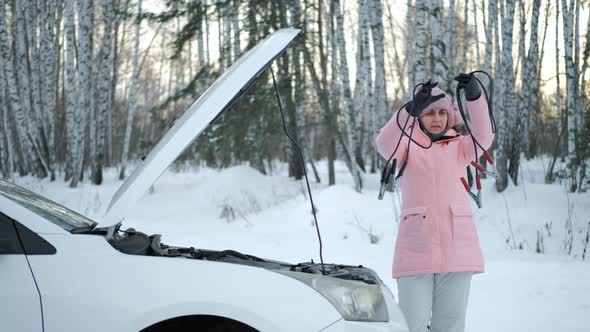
[439,298]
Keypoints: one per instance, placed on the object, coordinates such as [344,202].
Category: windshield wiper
[87,229]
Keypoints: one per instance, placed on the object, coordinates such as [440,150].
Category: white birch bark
[131,102]
[438,56]
[31,28]
[71,89]
[227,58]
[85,61]
[13,95]
[380,94]
[359,94]
[465,43]
[530,80]
[104,90]
[10,151]
[568,36]
[190,60]
[489,33]
[580,110]
[200,39]
[508,99]
[23,77]
[6,147]
[410,38]
[350,117]
[452,35]
[360,100]
[582,77]
[236,28]
[207,49]
[298,74]
[180,65]
[560,114]
[522,103]
[421,43]
[476,25]
[49,64]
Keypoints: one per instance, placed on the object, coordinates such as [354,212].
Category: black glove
[422,99]
[468,83]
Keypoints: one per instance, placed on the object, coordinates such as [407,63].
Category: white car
[62,272]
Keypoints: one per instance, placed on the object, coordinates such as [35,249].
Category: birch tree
[438,56]
[465,36]
[476,24]
[530,79]
[85,61]
[71,90]
[410,49]
[508,96]
[30,118]
[226,59]
[132,102]
[49,64]
[567,12]
[350,117]
[104,91]
[14,99]
[236,28]
[360,101]
[421,42]
[380,94]
[452,37]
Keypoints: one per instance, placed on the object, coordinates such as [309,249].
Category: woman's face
[435,121]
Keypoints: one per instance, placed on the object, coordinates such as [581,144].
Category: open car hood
[220,95]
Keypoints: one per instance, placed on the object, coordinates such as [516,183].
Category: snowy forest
[91,84]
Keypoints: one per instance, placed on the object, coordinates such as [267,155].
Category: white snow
[270,216]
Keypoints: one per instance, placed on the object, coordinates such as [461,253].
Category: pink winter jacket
[436,232]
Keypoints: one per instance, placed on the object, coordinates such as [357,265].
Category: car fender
[88,285]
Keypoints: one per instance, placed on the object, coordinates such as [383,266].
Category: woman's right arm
[390,134]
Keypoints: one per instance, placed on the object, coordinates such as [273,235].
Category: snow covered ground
[269,216]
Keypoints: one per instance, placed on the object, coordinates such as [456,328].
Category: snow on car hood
[220,95]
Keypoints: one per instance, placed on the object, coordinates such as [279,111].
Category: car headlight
[354,300]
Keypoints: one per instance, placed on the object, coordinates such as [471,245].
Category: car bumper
[349,326]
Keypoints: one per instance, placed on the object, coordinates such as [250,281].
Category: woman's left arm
[481,128]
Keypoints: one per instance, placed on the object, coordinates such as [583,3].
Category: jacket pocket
[464,232]
[413,229]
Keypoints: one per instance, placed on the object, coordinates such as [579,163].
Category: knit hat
[445,103]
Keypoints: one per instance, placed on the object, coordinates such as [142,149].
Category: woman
[437,249]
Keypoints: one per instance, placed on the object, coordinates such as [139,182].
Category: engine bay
[133,242]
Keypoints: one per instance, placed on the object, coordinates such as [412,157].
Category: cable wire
[317,227]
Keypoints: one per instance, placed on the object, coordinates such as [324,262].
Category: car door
[20,305]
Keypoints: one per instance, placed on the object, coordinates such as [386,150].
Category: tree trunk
[452,35]
[438,56]
[131,102]
[85,61]
[350,117]
[505,140]
[360,101]
[13,97]
[530,80]
[568,36]
[104,91]
[24,87]
[476,23]
[421,42]
[379,108]
[410,49]
[236,28]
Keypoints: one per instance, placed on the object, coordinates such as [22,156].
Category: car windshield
[56,213]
